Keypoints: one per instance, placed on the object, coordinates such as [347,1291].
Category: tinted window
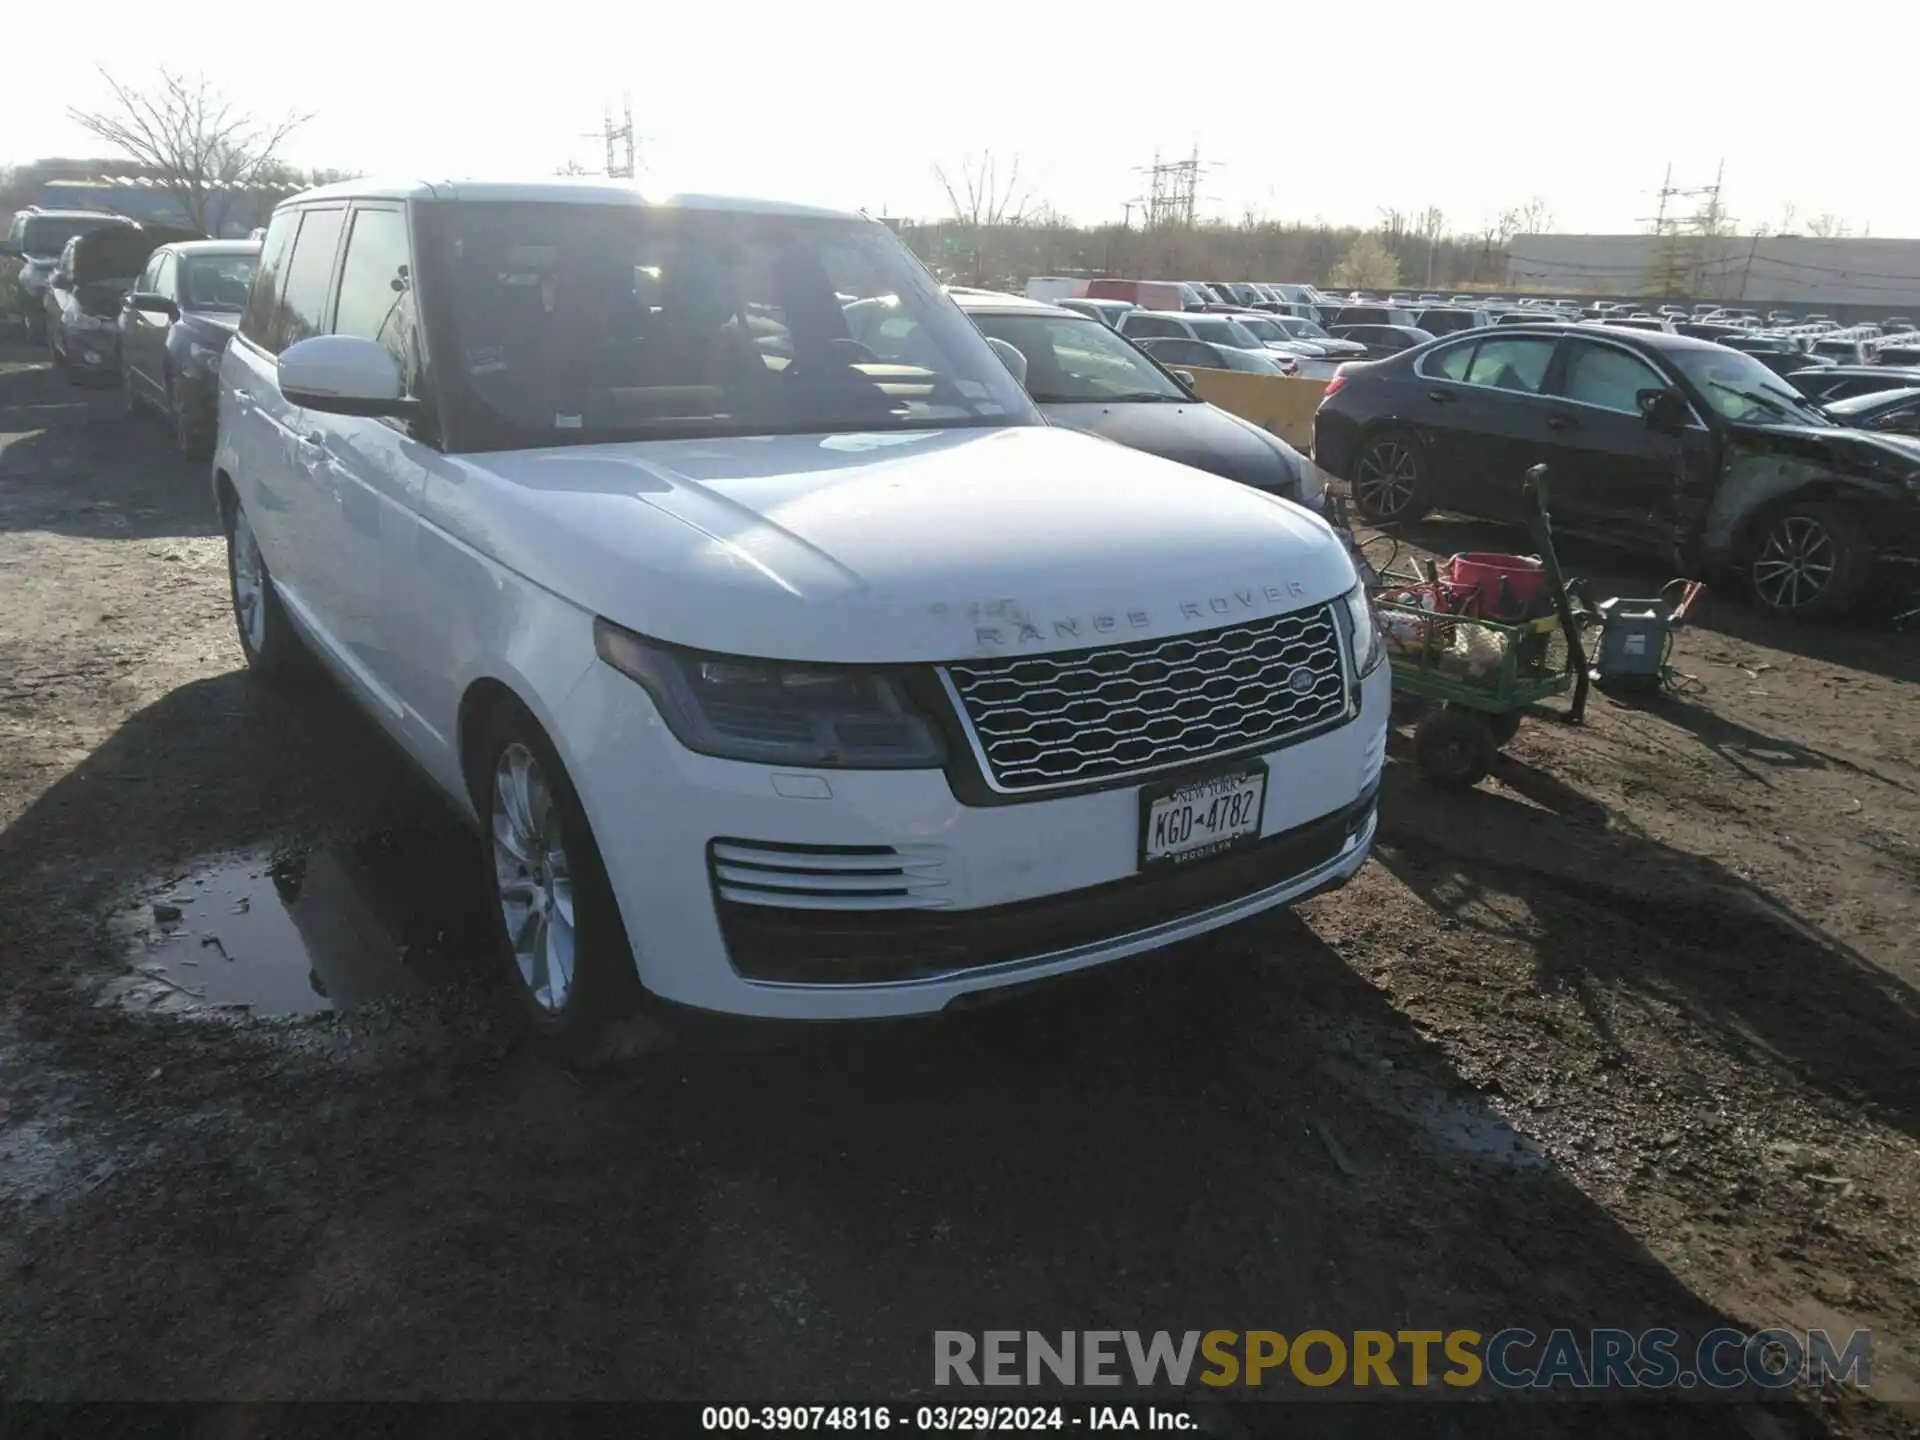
[1150,325]
[1601,375]
[263,301]
[376,286]
[303,294]
[1518,364]
[1449,363]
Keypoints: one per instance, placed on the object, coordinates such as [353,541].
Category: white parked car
[780,680]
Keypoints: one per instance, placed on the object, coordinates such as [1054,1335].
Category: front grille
[1043,721]
[853,945]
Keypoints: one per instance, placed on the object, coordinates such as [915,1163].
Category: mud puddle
[296,932]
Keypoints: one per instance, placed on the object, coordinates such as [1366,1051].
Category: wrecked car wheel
[1388,479]
[1810,561]
[556,924]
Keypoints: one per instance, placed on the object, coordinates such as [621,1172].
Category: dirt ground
[1628,1036]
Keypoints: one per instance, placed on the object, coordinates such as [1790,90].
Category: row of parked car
[147,307]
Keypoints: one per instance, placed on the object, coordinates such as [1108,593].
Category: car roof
[36,213]
[557,190]
[215,247]
[977,302]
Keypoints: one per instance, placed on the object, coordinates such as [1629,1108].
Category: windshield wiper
[1757,398]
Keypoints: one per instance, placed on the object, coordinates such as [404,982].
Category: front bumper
[999,894]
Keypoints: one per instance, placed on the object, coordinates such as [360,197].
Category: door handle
[1442,397]
[1562,422]
[242,401]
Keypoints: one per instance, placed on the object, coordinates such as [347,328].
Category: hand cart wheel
[1454,746]
[1502,727]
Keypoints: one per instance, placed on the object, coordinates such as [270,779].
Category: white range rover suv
[779,680]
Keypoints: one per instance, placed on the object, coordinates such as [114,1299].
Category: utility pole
[618,140]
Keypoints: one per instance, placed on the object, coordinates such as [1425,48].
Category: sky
[1299,112]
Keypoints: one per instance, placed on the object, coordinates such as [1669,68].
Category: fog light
[92,357]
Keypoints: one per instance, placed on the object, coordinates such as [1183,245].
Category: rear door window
[303,295]
[263,301]
[1519,364]
[1450,362]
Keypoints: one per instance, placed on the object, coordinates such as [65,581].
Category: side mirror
[1661,408]
[1185,377]
[343,375]
[152,304]
[1010,357]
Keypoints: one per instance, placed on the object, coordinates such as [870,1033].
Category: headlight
[1368,652]
[771,712]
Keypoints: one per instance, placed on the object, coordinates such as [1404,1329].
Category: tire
[190,437]
[1389,479]
[273,648]
[1809,562]
[553,918]
[1454,747]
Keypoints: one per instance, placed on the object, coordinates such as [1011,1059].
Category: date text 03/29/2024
[964,1419]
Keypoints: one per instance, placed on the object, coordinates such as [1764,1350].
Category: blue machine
[1636,636]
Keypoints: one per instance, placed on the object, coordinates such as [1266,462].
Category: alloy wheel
[533,877]
[1387,476]
[1796,563]
[249,584]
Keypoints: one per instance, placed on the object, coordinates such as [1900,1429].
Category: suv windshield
[216,282]
[1303,330]
[44,236]
[1741,389]
[1070,360]
[574,324]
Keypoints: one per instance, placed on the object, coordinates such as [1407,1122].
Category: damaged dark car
[1666,444]
[82,304]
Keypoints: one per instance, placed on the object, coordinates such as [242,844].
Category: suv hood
[117,252]
[903,546]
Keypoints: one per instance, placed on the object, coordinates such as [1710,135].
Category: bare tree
[1532,218]
[190,137]
[1828,226]
[1430,225]
[979,197]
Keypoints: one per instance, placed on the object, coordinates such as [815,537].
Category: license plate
[1187,819]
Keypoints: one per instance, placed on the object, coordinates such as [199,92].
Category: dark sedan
[1892,412]
[1085,377]
[1659,442]
[174,325]
[1838,382]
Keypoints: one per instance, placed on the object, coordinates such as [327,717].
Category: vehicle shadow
[1866,640]
[1236,1133]
[1618,909]
[77,465]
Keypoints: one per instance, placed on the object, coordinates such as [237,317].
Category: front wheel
[1810,562]
[556,925]
[1389,479]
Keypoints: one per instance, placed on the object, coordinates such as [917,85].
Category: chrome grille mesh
[1045,720]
